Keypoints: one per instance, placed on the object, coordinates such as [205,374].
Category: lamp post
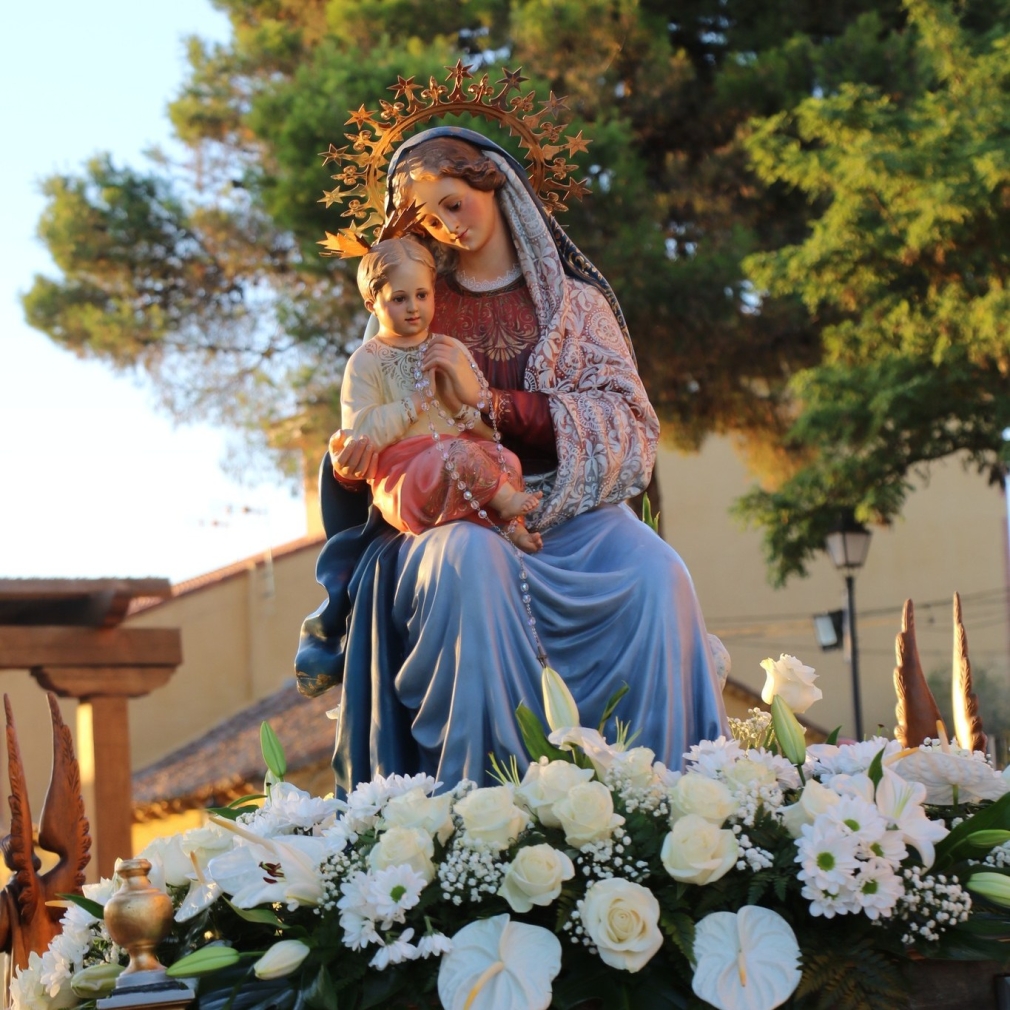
[847,545]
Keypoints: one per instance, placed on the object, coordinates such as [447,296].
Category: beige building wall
[239,635]
[952,537]
[240,625]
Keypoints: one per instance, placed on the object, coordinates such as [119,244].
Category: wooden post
[113,792]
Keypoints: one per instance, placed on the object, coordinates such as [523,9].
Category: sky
[94,480]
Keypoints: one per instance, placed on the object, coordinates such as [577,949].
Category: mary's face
[456,214]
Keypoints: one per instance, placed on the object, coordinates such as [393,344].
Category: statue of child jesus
[438,460]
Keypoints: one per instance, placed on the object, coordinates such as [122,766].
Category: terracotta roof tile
[228,756]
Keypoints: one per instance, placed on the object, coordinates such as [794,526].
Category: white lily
[559,705]
[283,958]
[746,960]
[498,964]
[268,870]
[592,743]
[901,802]
[203,892]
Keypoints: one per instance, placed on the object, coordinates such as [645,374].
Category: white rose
[414,809]
[694,793]
[167,853]
[698,852]
[535,876]
[814,800]
[747,773]
[490,815]
[635,767]
[622,920]
[411,847]
[545,783]
[587,814]
[793,682]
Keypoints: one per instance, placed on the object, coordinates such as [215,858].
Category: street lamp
[847,545]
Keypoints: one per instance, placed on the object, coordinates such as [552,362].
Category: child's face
[406,302]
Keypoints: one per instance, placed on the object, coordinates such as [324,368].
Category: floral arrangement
[760,875]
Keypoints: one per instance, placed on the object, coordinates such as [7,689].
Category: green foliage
[205,274]
[904,270]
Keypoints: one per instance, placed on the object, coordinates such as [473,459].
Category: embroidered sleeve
[524,417]
[363,402]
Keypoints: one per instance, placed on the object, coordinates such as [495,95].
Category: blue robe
[430,636]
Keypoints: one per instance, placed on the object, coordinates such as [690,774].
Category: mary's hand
[353,457]
[449,360]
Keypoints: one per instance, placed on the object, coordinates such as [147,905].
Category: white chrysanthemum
[712,757]
[826,854]
[857,818]
[393,891]
[877,888]
[782,768]
[433,945]
[829,902]
[850,758]
[400,950]
[365,803]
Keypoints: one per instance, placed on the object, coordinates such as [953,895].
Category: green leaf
[876,769]
[89,906]
[615,698]
[647,517]
[995,816]
[273,751]
[322,994]
[265,916]
[231,813]
[248,799]
[204,961]
[537,744]
[832,738]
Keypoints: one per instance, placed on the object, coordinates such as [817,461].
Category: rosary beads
[465,421]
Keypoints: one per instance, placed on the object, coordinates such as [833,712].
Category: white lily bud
[281,959]
[559,705]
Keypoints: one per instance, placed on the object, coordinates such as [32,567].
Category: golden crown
[362,165]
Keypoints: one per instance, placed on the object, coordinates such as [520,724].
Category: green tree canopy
[206,273]
[801,206]
[904,271]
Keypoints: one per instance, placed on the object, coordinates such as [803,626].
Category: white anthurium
[746,960]
[901,802]
[498,964]
[559,705]
[941,771]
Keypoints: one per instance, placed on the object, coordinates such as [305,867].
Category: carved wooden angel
[27,923]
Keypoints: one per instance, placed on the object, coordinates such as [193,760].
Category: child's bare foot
[523,539]
[510,503]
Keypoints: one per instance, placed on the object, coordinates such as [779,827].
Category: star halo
[362,165]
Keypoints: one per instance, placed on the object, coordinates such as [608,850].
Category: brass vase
[138,916]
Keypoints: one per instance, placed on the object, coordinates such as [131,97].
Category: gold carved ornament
[362,175]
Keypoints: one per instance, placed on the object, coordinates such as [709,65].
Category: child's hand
[449,357]
[353,457]
[445,391]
